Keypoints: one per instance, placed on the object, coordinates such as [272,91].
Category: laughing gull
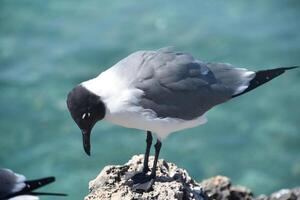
[160,92]
[14,186]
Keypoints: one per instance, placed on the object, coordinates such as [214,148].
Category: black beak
[86,141]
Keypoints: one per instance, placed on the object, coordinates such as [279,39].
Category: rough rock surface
[172,183]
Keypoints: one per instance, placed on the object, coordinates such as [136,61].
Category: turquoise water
[47,47]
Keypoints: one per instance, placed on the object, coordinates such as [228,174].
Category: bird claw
[139,181]
[143,187]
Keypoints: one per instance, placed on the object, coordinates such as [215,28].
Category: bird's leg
[157,150]
[145,183]
[141,174]
[146,157]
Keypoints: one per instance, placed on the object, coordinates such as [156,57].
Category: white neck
[113,90]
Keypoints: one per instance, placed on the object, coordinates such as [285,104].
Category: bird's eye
[85,116]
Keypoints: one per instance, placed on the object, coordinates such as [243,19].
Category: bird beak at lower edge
[86,141]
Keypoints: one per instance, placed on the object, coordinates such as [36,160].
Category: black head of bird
[86,109]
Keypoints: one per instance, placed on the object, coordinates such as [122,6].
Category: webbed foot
[140,181]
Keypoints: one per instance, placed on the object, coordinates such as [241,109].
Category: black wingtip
[34,184]
[288,68]
[263,76]
[47,194]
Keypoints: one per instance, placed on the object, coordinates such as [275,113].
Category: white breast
[143,119]
[25,197]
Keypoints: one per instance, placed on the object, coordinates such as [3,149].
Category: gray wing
[10,182]
[176,85]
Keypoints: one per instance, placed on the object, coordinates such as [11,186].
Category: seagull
[14,186]
[159,92]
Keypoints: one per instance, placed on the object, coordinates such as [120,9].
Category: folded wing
[176,85]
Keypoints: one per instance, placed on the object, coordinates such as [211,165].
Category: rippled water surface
[47,47]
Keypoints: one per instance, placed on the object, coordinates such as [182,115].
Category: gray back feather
[10,182]
[174,84]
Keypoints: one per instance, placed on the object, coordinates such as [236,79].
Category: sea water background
[47,47]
